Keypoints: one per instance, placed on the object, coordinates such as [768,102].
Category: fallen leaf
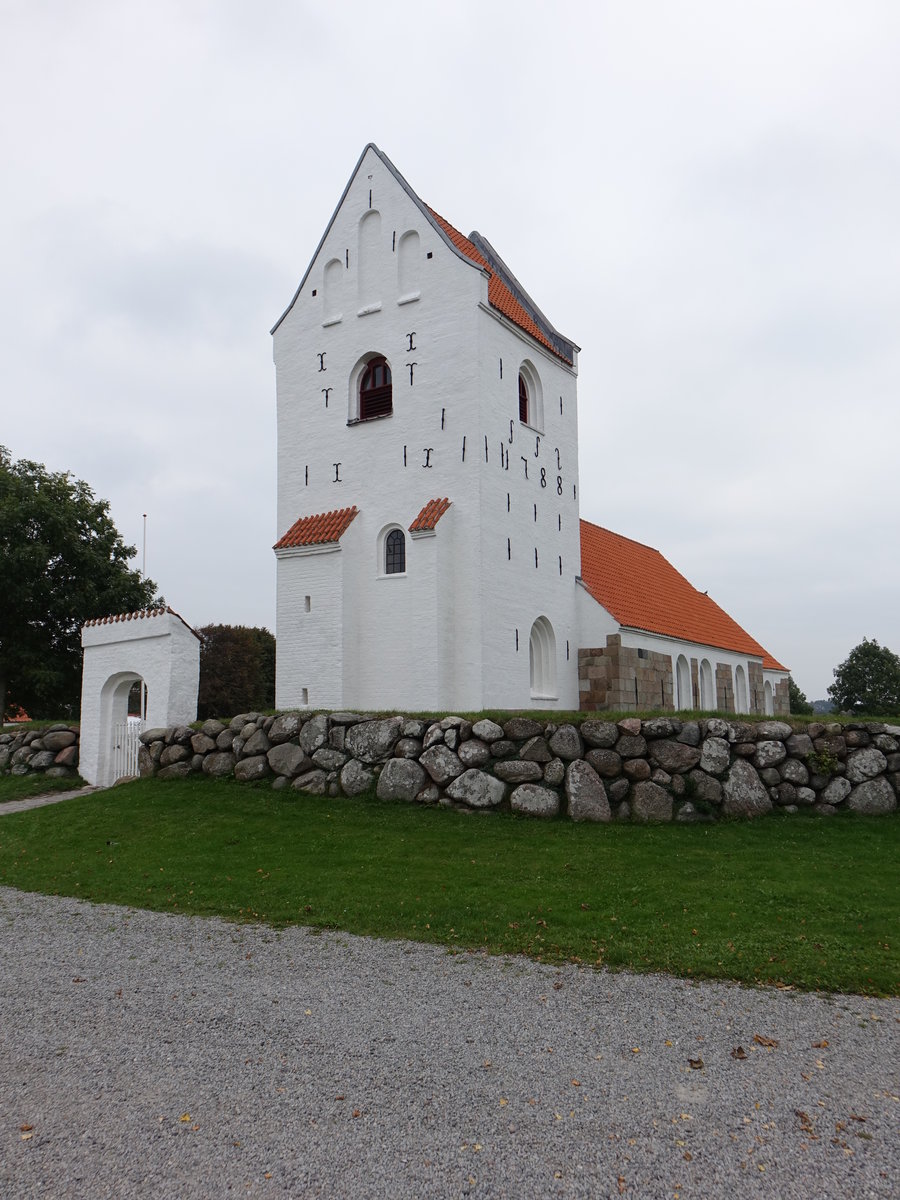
[635,1049]
[668,1043]
[356,1112]
[185,1117]
[854,1117]
[688,1157]
[764,1041]
[823,1045]
[557,985]
[696,1064]
[576,1083]
[739,1052]
[26,1137]
[621,1182]
[28,1128]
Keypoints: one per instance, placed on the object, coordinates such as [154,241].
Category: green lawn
[20,787]
[800,900]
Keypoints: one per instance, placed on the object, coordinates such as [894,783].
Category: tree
[62,562]
[798,702]
[237,670]
[868,681]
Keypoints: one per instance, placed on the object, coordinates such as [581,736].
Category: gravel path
[156,1055]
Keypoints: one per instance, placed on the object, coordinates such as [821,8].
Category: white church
[431,553]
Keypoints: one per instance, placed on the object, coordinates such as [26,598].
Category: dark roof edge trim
[563,346]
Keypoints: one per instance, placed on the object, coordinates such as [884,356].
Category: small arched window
[375,390]
[523,399]
[395,553]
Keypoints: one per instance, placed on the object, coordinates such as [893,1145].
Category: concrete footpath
[12,806]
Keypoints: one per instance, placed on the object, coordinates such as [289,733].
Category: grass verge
[21,787]
[801,901]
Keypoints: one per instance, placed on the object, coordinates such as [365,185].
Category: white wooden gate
[126,743]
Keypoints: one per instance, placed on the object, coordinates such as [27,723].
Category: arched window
[395,553]
[531,396]
[770,698]
[375,391]
[523,399]
[542,660]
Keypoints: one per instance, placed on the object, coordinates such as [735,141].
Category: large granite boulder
[442,764]
[650,802]
[674,756]
[356,779]
[865,764]
[566,743]
[401,779]
[585,793]
[373,741]
[715,755]
[534,800]
[477,789]
[873,797]
[744,793]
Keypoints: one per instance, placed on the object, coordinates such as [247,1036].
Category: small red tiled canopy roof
[140,615]
[430,515]
[499,294]
[642,590]
[318,529]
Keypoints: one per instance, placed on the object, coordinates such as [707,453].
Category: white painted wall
[444,634]
[155,647]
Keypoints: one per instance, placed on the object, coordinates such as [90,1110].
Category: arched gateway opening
[140,669]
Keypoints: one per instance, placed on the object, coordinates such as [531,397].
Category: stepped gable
[642,590]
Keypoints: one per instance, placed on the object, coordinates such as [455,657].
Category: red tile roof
[318,529]
[499,294]
[642,590]
[140,615]
[430,515]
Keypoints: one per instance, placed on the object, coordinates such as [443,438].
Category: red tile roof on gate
[642,590]
[499,295]
[140,615]
[430,515]
[317,530]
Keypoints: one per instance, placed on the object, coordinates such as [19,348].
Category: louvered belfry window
[375,390]
[523,400]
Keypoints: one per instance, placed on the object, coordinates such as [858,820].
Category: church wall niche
[369,273]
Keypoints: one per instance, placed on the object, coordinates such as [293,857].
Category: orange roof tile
[430,515]
[499,294]
[642,590]
[140,615]
[317,530]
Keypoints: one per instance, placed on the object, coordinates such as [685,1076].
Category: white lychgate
[154,648]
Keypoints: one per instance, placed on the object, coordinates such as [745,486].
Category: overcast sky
[704,196]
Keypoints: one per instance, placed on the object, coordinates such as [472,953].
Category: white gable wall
[389,467]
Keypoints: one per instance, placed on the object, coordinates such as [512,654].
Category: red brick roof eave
[319,529]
